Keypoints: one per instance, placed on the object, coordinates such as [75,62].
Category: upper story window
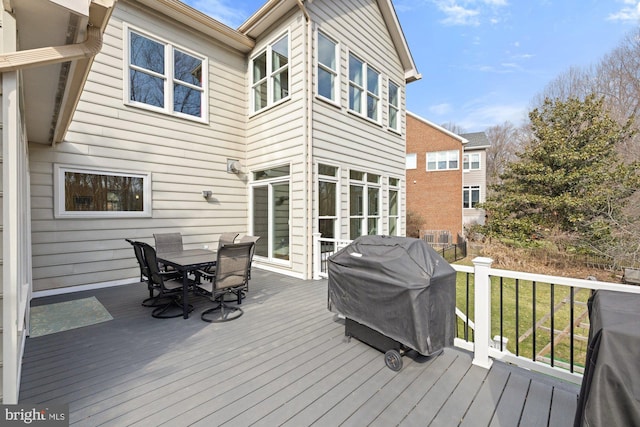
[471,161]
[411,161]
[328,82]
[270,74]
[364,89]
[443,160]
[165,78]
[394,106]
[101,193]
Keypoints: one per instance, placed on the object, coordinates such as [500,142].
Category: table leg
[185,302]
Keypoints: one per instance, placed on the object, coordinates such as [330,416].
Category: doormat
[63,316]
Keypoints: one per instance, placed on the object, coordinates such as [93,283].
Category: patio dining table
[187,261]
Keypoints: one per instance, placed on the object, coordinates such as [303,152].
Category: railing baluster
[533,321]
[517,317]
[553,334]
[466,328]
[501,314]
[571,314]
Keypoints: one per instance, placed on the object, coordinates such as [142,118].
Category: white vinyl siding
[183,157]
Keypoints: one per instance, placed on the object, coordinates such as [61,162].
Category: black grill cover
[398,286]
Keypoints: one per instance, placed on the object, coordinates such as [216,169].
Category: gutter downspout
[308,146]
[53,54]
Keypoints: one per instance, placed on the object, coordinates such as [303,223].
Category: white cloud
[220,10]
[469,12]
[441,109]
[481,116]
[629,13]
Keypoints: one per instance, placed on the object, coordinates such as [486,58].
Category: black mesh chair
[153,300]
[230,277]
[168,285]
[253,239]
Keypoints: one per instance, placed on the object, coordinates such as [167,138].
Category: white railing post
[482,312]
[316,256]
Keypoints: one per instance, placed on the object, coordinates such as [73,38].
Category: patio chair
[167,284]
[229,278]
[253,239]
[168,242]
[226,238]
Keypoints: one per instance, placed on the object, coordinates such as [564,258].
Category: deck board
[284,362]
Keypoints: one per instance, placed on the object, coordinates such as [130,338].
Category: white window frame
[335,96]
[467,161]
[270,74]
[167,76]
[270,183]
[469,190]
[411,161]
[395,188]
[365,90]
[438,157]
[365,217]
[334,180]
[394,107]
[59,171]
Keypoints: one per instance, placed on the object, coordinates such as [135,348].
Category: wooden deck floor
[285,362]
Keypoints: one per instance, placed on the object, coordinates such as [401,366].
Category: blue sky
[483,61]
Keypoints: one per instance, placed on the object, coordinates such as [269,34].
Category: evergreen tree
[568,179]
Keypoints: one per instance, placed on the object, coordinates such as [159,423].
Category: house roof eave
[462,140]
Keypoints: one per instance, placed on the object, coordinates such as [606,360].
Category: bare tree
[506,141]
[453,127]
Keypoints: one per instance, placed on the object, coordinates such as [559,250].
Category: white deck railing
[544,306]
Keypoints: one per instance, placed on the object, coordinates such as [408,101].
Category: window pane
[371,177]
[465,197]
[475,161]
[393,202]
[281,221]
[356,200]
[355,70]
[442,160]
[412,161]
[394,99]
[372,81]
[475,197]
[281,85]
[373,201]
[280,53]
[187,68]
[261,219]
[326,52]
[356,175]
[372,226]
[102,193]
[327,170]
[147,53]
[326,83]
[146,88]
[453,160]
[393,118]
[260,67]
[372,107]
[271,173]
[260,96]
[393,226]
[394,182]
[355,228]
[327,198]
[187,100]
[327,228]
[355,99]
[465,162]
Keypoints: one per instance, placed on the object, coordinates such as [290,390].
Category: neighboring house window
[411,161]
[270,74]
[471,161]
[394,202]
[394,106]
[470,196]
[364,204]
[364,89]
[271,212]
[327,68]
[327,200]
[165,78]
[442,160]
[101,193]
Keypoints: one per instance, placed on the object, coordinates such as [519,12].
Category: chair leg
[170,310]
[221,313]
